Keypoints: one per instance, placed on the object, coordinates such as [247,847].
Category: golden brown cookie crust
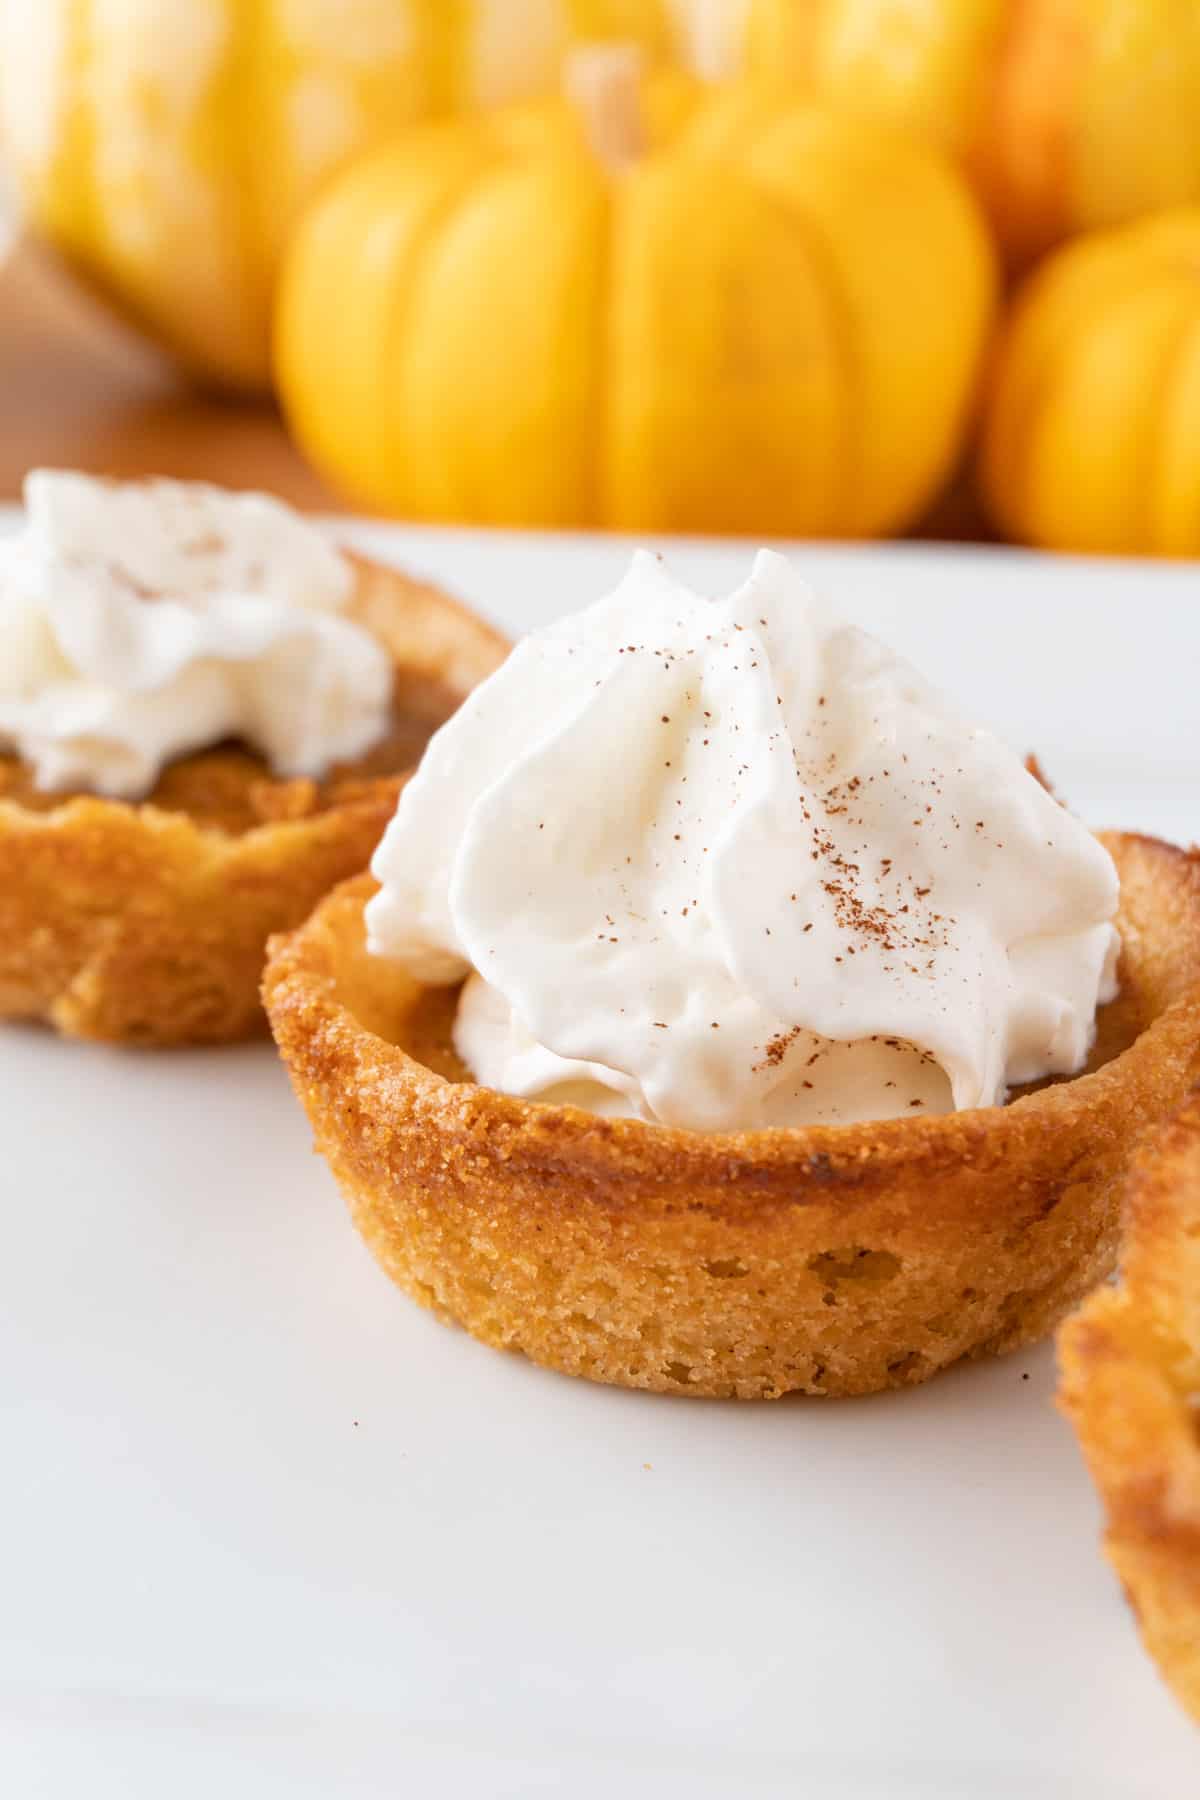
[1130,1362]
[146,924]
[830,1260]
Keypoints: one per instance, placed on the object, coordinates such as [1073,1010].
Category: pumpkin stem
[604,84]
[711,33]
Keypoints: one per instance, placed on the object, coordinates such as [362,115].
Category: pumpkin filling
[420,1020]
[231,789]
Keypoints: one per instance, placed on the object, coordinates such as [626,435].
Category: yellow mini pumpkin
[648,310]
[166,146]
[1068,113]
[1092,434]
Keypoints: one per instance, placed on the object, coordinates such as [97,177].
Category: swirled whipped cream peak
[144,621]
[731,863]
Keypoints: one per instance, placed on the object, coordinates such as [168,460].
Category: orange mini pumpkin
[1092,430]
[654,310]
[165,147]
[1069,114]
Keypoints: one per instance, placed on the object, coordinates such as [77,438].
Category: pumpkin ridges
[1092,433]
[310,84]
[160,189]
[447,65]
[618,21]
[1022,154]
[493,401]
[604,360]
[239,163]
[70,185]
[333,398]
[843,508]
[1048,314]
[1158,393]
[691,354]
[1069,114]
[846,517]
[686,325]
[732,131]
[724,135]
[966,34]
[1138,126]
[897,459]
[63,196]
[664,108]
[1177,513]
[191,253]
[1095,397]
[740,127]
[936,81]
[394,464]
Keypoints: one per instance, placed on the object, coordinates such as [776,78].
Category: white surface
[271,1531]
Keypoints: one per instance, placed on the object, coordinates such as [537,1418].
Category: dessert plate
[272,1531]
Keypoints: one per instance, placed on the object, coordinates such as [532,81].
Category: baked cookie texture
[830,1260]
[1130,1361]
[147,923]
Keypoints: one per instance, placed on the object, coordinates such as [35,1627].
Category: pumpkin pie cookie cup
[147,923]
[1130,1381]
[825,1260]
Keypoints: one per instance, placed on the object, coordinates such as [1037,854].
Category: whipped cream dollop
[731,863]
[142,621]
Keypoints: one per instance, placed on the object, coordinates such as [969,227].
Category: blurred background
[814,268]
